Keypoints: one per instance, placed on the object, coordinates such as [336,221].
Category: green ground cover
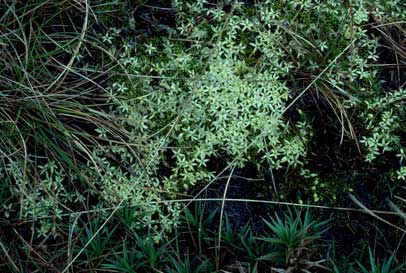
[202,136]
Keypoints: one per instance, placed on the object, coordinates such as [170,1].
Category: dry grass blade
[10,260]
[223,203]
[396,209]
[327,68]
[358,203]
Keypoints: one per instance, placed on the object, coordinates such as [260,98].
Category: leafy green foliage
[184,265]
[222,87]
[127,261]
[100,242]
[383,117]
[293,237]
[385,267]
[239,82]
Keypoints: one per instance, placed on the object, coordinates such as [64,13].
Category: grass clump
[49,105]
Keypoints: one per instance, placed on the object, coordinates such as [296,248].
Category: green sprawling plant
[224,86]
[384,116]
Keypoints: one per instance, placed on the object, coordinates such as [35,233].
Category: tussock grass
[50,106]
